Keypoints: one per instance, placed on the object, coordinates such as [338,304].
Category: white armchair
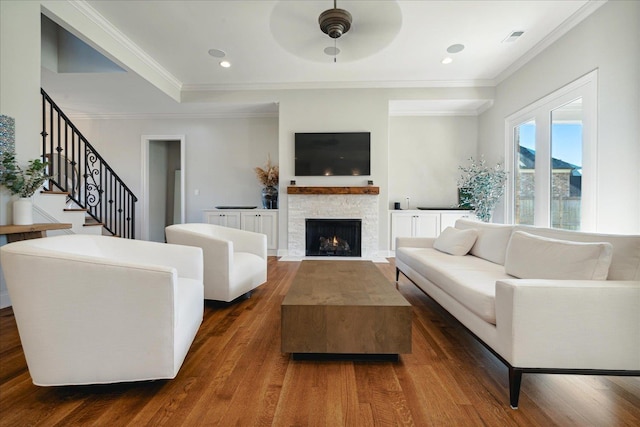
[235,261]
[98,309]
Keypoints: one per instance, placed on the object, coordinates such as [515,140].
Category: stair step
[75,210]
[54,192]
[92,224]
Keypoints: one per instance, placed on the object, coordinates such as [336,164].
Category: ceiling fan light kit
[335,22]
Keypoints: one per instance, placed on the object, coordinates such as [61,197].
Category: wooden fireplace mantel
[368,190]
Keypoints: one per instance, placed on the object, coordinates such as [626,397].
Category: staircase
[83,189]
[51,206]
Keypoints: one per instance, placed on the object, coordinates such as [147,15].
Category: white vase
[23,211]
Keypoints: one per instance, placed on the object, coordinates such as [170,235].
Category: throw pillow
[455,242]
[492,240]
[534,257]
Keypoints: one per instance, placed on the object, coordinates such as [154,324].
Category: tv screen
[333,154]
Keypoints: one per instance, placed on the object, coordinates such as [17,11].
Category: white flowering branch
[482,187]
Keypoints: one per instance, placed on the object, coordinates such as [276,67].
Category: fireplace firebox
[333,237]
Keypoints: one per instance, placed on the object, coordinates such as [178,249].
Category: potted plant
[268,177]
[22,182]
[480,187]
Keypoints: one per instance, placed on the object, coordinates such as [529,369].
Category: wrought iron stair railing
[77,169]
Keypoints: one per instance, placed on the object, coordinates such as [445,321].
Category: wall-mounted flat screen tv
[333,154]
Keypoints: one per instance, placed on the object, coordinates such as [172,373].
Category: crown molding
[443,112]
[586,10]
[434,113]
[398,108]
[163,116]
[339,85]
[88,11]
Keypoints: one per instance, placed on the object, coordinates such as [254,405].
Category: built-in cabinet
[263,221]
[423,223]
[224,218]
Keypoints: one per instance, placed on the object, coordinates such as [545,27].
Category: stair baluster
[78,169]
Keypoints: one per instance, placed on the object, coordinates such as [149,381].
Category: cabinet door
[401,226]
[225,219]
[426,225]
[214,218]
[232,219]
[262,222]
[269,226]
[250,222]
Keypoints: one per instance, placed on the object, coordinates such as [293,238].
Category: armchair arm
[415,242]
[580,324]
[245,241]
[217,251]
[186,260]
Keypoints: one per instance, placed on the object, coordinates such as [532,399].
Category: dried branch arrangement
[268,176]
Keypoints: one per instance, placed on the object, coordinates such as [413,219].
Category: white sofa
[530,296]
[98,309]
[235,261]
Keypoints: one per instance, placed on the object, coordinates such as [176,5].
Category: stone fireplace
[335,203]
[333,237]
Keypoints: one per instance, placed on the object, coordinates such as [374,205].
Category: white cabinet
[414,224]
[423,223]
[263,221]
[224,218]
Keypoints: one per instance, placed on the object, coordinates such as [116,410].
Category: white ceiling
[278,45]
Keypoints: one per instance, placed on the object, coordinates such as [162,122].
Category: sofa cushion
[468,279]
[625,261]
[535,257]
[492,240]
[455,242]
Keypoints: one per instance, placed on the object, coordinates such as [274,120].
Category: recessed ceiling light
[447,60]
[455,48]
[225,64]
[217,53]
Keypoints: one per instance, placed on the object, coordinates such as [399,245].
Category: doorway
[163,184]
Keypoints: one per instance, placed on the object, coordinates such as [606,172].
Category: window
[552,150]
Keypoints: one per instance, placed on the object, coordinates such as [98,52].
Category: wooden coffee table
[344,307]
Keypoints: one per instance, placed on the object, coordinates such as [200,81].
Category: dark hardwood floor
[236,375]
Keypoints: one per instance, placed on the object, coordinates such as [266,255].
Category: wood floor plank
[235,374]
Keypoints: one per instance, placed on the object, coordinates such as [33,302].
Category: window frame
[540,111]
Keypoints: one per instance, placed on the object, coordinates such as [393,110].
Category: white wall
[220,156]
[608,40]
[424,155]
[19,89]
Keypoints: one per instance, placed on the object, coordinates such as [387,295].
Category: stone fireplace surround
[332,237]
[323,203]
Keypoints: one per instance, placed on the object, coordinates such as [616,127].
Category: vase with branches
[481,187]
[23,182]
[269,178]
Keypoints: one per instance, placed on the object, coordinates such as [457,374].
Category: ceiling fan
[294,25]
[335,22]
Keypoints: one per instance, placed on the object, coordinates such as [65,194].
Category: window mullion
[542,205]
